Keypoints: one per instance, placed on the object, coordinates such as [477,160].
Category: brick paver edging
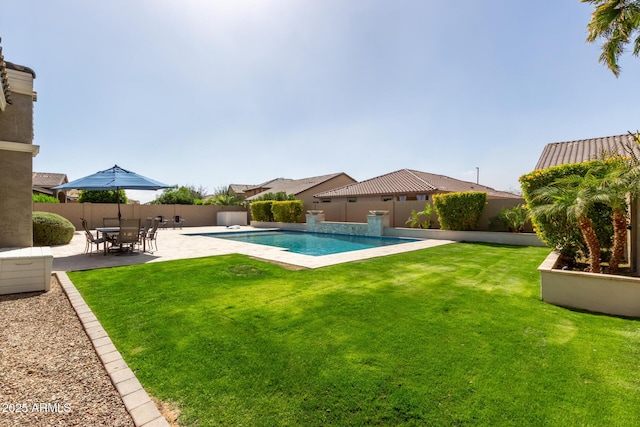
[136,400]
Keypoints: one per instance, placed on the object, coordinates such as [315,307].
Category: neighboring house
[304,189]
[43,182]
[582,150]
[405,184]
[239,189]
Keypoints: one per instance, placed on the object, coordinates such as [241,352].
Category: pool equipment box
[25,269]
[231,218]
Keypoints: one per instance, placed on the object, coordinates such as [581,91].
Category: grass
[452,335]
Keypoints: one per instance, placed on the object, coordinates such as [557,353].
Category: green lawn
[452,335]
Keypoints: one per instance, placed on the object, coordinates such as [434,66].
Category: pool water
[315,244]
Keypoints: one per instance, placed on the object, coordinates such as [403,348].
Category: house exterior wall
[16,153]
[307,196]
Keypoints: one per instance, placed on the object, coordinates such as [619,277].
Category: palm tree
[573,196]
[619,180]
[617,22]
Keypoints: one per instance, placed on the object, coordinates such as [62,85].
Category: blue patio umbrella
[114,178]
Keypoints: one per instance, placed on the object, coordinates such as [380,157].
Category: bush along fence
[277,211]
[459,211]
[553,197]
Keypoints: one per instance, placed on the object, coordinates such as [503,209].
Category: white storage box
[231,218]
[25,269]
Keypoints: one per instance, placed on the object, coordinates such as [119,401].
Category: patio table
[106,231]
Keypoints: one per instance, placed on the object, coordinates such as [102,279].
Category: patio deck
[181,244]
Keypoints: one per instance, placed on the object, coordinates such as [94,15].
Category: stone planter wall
[502,238]
[600,293]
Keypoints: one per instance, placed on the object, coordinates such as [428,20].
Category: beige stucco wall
[307,195]
[194,215]
[16,128]
[16,227]
[399,212]
[601,293]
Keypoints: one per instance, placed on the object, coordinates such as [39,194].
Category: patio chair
[129,234]
[152,235]
[110,222]
[178,220]
[144,231]
[162,221]
[91,239]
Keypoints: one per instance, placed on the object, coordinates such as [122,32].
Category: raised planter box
[25,269]
[498,237]
[600,293]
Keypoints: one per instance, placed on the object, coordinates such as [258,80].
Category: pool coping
[339,236]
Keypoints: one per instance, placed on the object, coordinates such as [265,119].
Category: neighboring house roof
[293,186]
[407,181]
[48,180]
[582,150]
[240,188]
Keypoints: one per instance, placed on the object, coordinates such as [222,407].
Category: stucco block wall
[16,228]
[16,122]
[16,126]
[399,212]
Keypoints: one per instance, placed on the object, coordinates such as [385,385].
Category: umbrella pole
[118,200]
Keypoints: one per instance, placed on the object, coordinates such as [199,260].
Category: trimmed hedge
[51,229]
[287,211]
[460,210]
[43,198]
[557,231]
[261,210]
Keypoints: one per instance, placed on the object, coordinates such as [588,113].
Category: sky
[207,93]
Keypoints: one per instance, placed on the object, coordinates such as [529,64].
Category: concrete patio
[185,243]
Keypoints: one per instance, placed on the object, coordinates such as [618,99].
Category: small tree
[103,196]
[223,196]
[175,196]
[43,198]
[573,196]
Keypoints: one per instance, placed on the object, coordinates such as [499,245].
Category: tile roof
[559,153]
[407,181]
[4,79]
[48,180]
[240,188]
[293,186]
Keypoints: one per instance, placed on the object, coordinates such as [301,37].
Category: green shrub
[51,229]
[43,198]
[557,231]
[459,211]
[175,196]
[515,218]
[261,211]
[287,211]
[420,219]
[279,196]
[103,196]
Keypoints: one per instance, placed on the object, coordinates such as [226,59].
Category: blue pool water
[310,243]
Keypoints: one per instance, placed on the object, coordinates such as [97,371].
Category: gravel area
[50,374]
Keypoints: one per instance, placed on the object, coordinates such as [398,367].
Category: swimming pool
[314,244]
